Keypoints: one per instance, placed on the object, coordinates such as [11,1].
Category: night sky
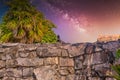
[80,20]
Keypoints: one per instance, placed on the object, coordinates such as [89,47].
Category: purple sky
[81,20]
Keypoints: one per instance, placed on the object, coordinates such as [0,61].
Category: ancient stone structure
[83,61]
[106,38]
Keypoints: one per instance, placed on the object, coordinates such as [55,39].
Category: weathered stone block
[114,45]
[81,77]
[14,72]
[87,60]
[31,47]
[2,56]
[2,50]
[70,77]
[23,54]
[110,78]
[77,77]
[51,61]
[28,78]
[79,72]
[32,54]
[2,64]
[63,72]
[27,72]
[90,48]
[8,78]
[73,51]
[11,63]
[95,78]
[102,70]
[63,78]
[65,53]
[66,62]
[2,73]
[99,58]
[48,52]
[71,70]
[98,49]
[29,62]
[11,53]
[46,73]
[79,62]
[6,45]
[77,50]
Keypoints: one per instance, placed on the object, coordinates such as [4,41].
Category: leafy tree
[24,23]
[116,67]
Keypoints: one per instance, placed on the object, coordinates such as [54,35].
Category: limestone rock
[90,48]
[66,62]
[77,50]
[13,72]
[27,78]
[73,51]
[65,53]
[63,72]
[5,45]
[8,78]
[2,64]
[98,49]
[23,54]
[29,62]
[100,58]
[70,77]
[48,52]
[78,63]
[2,56]
[2,50]
[2,73]
[11,63]
[51,61]
[46,73]
[112,46]
[27,72]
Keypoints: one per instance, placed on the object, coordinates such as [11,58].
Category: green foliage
[118,54]
[49,37]
[116,67]
[24,23]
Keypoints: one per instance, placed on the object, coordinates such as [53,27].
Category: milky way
[81,20]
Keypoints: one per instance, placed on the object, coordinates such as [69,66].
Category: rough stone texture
[27,72]
[60,61]
[66,62]
[2,73]
[2,64]
[46,73]
[76,50]
[90,48]
[51,61]
[14,72]
[48,52]
[29,62]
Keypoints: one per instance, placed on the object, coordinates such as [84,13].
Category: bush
[116,67]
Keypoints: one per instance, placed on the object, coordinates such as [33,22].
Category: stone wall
[83,61]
